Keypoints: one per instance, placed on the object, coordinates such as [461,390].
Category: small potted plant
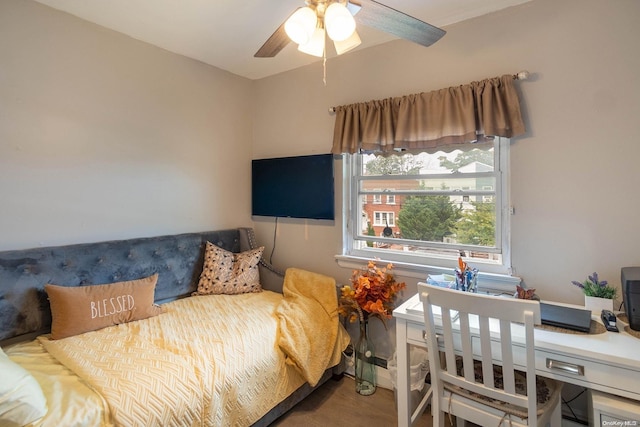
[598,294]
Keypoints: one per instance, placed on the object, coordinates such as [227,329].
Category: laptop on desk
[565,317]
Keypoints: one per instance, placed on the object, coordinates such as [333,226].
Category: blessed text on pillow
[79,309]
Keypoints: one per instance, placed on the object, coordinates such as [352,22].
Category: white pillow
[21,398]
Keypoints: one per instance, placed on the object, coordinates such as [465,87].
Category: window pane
[434,205]
[477,160]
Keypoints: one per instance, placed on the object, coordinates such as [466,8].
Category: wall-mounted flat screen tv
[293,187]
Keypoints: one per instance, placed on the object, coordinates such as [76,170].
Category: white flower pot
[596,305]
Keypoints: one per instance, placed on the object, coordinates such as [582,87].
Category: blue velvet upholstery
[178,259]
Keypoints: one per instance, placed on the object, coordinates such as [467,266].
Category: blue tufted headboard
[178,259]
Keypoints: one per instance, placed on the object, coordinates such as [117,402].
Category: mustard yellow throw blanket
[310,333]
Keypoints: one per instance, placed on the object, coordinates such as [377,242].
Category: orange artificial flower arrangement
[372,293]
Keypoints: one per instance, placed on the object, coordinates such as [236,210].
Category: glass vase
[365,367]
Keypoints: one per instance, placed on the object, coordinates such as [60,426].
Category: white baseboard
[383,378]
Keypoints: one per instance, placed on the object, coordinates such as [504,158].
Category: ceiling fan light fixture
[339,22]
[348,44]
[315,46]
[301,25]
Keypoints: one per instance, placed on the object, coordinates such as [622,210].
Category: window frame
[422,262]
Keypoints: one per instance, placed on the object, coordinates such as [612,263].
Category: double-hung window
[444,205]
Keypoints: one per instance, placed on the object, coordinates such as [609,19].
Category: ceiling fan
[337,19]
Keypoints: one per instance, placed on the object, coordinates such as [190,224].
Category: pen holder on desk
[467,280]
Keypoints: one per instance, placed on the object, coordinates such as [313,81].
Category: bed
[203,350]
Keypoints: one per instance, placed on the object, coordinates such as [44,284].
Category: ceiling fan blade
[274,44]
[384,18]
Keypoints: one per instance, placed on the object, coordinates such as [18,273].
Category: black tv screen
[293,187]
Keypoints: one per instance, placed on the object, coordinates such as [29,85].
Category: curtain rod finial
[522,75]
[332,110]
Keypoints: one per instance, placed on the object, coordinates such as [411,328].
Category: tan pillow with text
[79,309]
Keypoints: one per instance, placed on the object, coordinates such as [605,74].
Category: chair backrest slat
[475,334]
[508,377]
[467,351]
[448,343]
[529,321]
[485,347]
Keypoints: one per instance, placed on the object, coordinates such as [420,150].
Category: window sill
[487,282]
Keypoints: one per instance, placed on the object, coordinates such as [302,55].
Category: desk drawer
[593,374]
[588,373]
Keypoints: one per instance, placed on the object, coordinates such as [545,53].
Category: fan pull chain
[324,68]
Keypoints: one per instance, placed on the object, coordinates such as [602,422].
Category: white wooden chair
[476,333]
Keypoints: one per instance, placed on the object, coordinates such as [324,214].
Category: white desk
[608,362]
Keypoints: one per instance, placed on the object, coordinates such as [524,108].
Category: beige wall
[104,137]
[575,175]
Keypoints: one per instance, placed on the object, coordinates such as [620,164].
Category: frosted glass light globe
[339,22]
[301,25]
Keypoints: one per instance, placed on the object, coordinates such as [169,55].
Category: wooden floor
[336,403]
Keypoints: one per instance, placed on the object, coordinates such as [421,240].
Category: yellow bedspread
[208,361]
[310,332]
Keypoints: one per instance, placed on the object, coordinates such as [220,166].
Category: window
[445,204]
[383,219]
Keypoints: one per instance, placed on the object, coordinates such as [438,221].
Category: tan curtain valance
[424,121]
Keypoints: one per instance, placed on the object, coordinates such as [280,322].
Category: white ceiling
[226,33]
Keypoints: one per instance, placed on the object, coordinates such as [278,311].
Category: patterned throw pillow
[229,273]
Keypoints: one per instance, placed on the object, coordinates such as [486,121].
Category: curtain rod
[521,75]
